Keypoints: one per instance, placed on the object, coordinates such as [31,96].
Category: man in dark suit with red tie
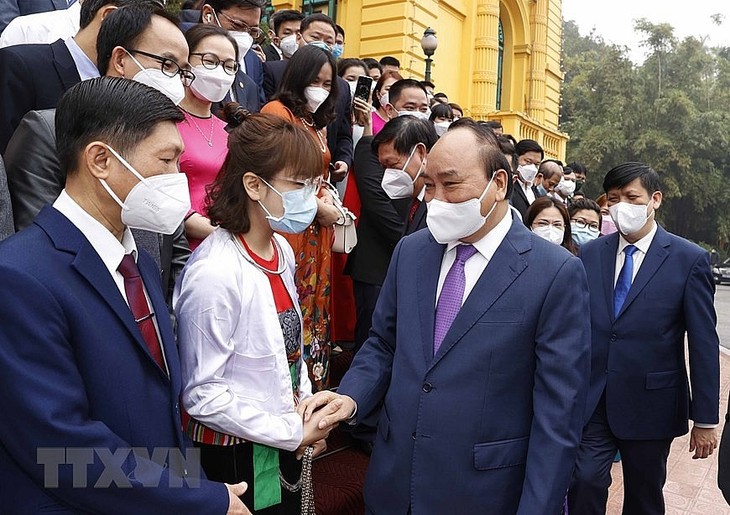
[90,369]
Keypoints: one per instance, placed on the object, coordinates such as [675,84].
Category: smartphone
[362,88]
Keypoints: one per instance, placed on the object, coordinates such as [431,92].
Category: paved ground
[692,484]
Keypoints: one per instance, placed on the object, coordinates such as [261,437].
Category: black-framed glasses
[582,224]
[211,61]
[241,26]
[169,67]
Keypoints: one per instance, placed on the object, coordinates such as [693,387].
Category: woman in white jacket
[239,323]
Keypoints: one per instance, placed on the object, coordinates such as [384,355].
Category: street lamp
[429,43]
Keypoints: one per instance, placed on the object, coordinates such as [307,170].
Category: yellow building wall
[466,62]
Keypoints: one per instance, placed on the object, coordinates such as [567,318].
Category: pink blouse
[378,123]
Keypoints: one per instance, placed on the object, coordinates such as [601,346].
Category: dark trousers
[366,296]
[234,463]
[644,464]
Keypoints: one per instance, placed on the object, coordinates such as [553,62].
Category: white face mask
[211,85]
[384,99]
[550,233]
[244,41]
[353,87]
[171,87]
[527,172]
[441,128]
[565,187]
[450,223]
[288,45]
[417,114]
[157,204]
[315,97]
[629,218]
[397,183]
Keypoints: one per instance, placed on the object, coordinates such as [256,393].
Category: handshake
[320,413]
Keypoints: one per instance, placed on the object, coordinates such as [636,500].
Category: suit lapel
[65,65]
[428,276]
[153,285]
[655,256]
[501,271]
[608,269]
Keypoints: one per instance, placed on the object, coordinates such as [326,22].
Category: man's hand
[339,172]
[345,408]
[259,53]
[319,447]
[235,504]
[702,441]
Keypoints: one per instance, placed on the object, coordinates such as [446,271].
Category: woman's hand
[327,213]
[362,112]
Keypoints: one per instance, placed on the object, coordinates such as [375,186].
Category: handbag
[344,228]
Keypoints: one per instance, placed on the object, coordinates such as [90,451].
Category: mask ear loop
[269,216]
[129,168]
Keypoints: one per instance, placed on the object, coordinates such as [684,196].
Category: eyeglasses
[240,26]
[546,223]
[313,184]
[169,67]
[211,62]
[582,224]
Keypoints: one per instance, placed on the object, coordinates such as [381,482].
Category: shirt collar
[422,195]
[110,250]
[85,66]
[491,241]
[642,245]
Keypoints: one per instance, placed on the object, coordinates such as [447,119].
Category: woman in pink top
[214,58]
[380,99]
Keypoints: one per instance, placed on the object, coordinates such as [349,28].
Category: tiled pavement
[691,484]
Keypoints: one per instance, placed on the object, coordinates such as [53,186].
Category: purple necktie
[452,295]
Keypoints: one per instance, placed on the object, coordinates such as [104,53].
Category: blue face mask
[541,191]
[300,208]
[337,51]
[582,235]
[321,44]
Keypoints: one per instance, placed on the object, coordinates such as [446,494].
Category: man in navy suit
[90,366]
[10,9]
[482,379]
[648,290]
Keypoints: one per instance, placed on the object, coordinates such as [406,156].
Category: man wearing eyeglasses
[138,41]
[241,19]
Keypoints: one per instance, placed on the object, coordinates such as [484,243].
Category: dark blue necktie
[623,284]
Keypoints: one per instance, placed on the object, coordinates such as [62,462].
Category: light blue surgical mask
[321,44]
[337,51]
[582,235]
[300,208]
[541,190]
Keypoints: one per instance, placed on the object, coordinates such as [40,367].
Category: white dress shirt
[85,66]
[44,28]
[474,266]
[642,247]
[527,189]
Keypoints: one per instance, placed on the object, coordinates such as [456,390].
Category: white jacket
[235,373]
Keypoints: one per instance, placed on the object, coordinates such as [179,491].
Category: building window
[328,7]
[500,61]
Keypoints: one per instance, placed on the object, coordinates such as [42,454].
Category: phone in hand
[362,88]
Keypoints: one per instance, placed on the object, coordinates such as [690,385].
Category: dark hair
[546,202]
[529,145]
[389,60]
[117,111]
[508,149]
[197,33]
[619,176]
[581,204]
[234,114]
[405,132]
[397,88]
[339,30]
[221,5]
[372,63]
[249,150]
[428,84]
[456,107]
[379,85]
[307,21]
[494,124]
[489,149]
[90,8]
[284,16]
[344,64]
[578,167]
[437,96]
[441,111]
[124,26]
[302,70]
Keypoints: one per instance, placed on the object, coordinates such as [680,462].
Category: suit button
[413,435]
[613,337]
[427,387]
[177,408]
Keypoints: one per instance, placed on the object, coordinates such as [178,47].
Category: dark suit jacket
[382,220]
[247,94]
[519,200]
[339,132]
[10,9]
[33,77]
[88,381]
[478,427]
[638,358]
[271,53]
[419,219]
[35,179]
[723,461]
[6,211]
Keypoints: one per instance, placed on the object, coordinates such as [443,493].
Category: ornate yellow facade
[498,59]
